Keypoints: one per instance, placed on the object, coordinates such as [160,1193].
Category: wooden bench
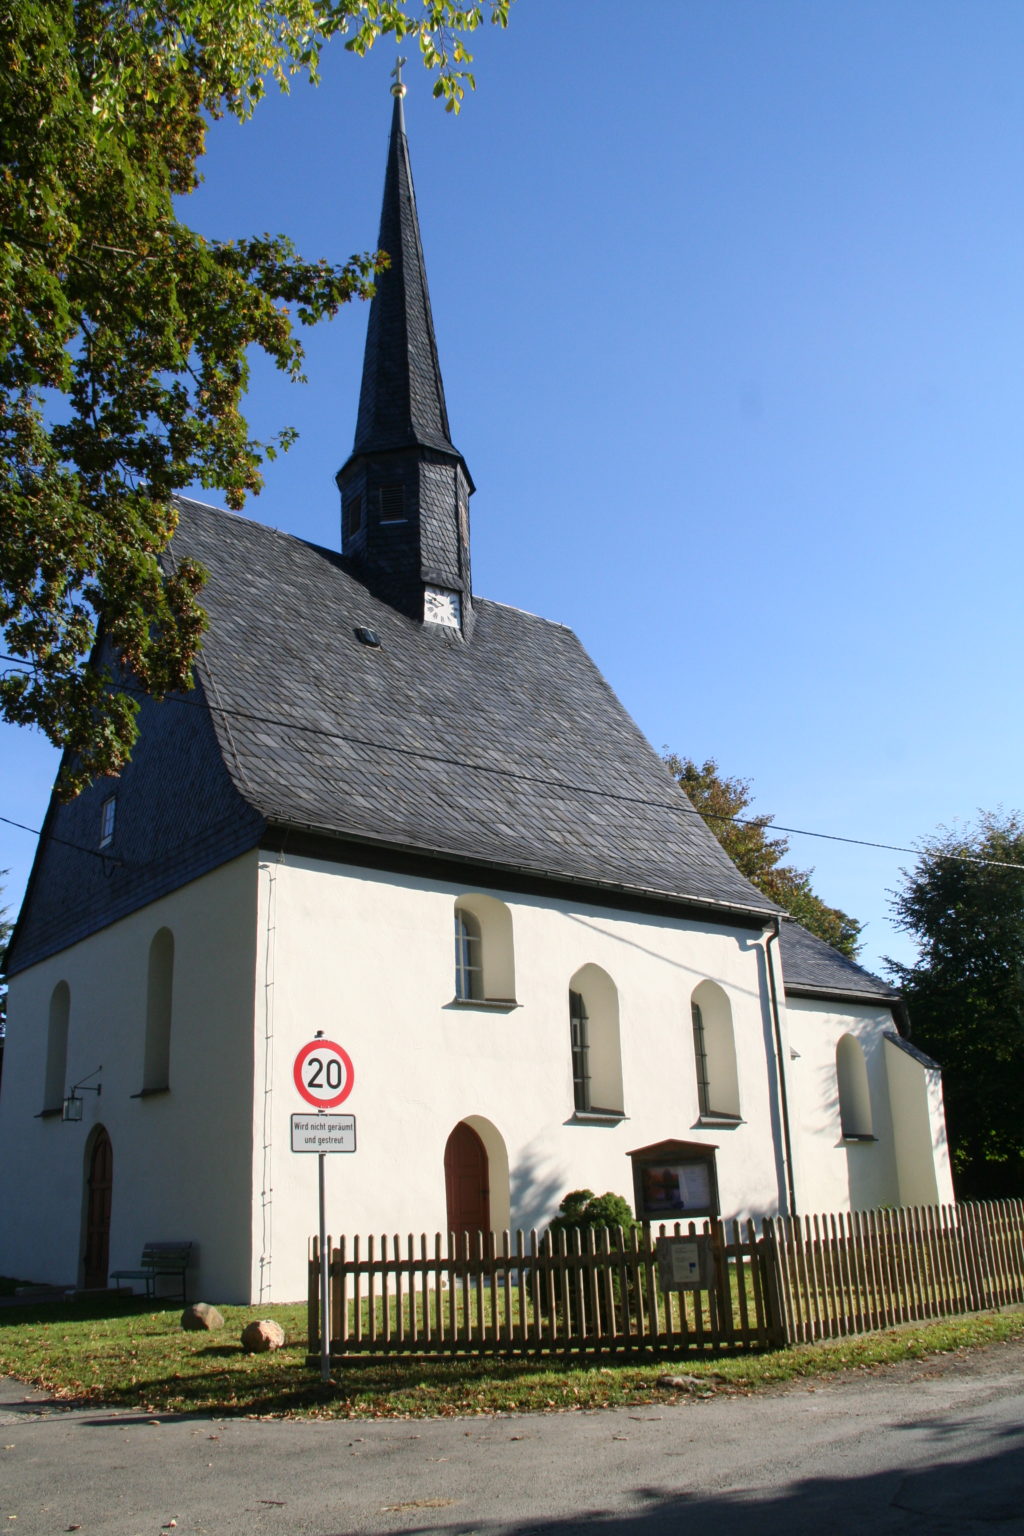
[159,1260]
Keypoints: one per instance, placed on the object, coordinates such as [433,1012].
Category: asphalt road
[921,1449]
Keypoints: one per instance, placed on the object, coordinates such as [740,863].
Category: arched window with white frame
[714,1054]
[484,954]
[156,1070]
[594,1045]
[855,1115]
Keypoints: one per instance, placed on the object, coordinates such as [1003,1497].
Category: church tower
[405,488]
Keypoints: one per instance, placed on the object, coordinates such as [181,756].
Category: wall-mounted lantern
[72,1109]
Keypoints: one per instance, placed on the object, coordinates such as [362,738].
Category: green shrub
[582,1209]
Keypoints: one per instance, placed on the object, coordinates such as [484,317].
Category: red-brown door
[466,1181]
[99,1181]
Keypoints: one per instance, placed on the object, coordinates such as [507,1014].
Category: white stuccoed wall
[919,1124]
[181,1160]
[368,958]
[268,950]
[910,1153]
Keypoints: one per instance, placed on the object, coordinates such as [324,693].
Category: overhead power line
[97,853]
[547,783]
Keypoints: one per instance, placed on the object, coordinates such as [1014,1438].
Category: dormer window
[108,815]
[392,503]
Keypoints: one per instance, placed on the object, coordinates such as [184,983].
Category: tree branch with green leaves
[722,802]
[125,335]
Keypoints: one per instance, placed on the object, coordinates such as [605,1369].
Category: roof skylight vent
[368,637]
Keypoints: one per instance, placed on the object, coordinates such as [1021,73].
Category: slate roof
[912,1051]
[179,816]
[508,752]
[401,401]
[812,968]
[509,749]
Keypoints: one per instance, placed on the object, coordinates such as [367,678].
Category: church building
[418,822]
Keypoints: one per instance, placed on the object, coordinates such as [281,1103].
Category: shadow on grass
[283,1385]
[81,1310]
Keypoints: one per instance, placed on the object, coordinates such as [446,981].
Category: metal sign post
[324,1076]
[325,1284]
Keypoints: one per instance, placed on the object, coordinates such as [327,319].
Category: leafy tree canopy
[124,334]
[723,803]
[965,992]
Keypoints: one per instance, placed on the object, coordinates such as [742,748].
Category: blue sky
[730,308]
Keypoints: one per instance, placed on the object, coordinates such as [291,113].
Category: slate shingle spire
[405,489]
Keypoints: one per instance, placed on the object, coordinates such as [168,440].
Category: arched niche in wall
[854,1091]
[714,1051]
[57,1047]
[485,968]
[594,1043]
[156,1070]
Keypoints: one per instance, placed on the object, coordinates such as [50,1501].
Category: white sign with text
[323,1133]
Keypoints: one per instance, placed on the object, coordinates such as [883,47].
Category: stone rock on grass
[704,1386]
[201,1317]
[257,1338]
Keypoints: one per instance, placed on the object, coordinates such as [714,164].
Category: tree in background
[124,335]
[723,803]
[965,993]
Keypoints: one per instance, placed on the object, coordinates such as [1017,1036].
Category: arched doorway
[99,1179]
[467,1181]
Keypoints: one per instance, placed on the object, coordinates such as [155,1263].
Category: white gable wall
[369,958]
[181,1159]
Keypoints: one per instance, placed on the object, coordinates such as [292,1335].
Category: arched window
[714,1054]
[854,1092]
[484,958]
[156,1070]
[57,1047]
[579,1036]
[469,972]
[594,1043]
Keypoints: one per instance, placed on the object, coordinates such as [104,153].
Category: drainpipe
[773,936]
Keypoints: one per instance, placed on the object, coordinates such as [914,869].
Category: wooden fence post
[313,1297]
[776,1308]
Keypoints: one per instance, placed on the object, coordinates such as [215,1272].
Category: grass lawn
[126,1355]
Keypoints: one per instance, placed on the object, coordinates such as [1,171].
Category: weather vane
[399,88]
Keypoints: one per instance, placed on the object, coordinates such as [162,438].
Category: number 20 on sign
[324,1074]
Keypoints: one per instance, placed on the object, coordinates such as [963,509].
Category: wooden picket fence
[558,1293]
[789,1280]
[855,1272]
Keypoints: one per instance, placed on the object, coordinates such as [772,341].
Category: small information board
[323,1133]
[684,1263]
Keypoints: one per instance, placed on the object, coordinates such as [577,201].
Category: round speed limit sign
[324,1074]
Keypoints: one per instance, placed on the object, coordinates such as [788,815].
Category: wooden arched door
[467,1181]
[99,1180]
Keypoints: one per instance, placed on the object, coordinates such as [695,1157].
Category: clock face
[442,607]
